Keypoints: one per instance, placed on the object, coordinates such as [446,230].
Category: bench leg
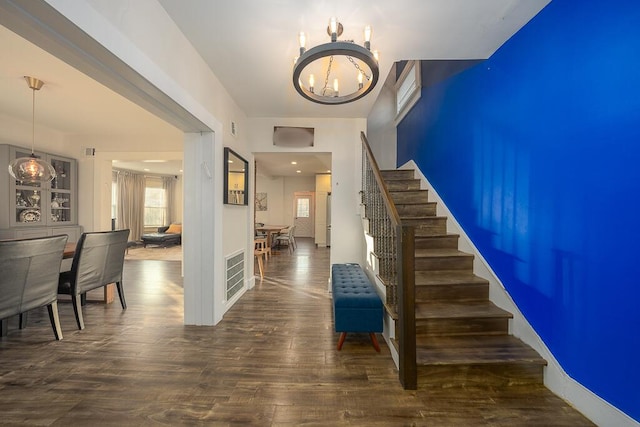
[374,341]
[343,335]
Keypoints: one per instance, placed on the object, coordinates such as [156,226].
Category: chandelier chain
[355,64]
[326,79]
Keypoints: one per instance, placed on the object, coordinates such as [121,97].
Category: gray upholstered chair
[29,278]
[98,261]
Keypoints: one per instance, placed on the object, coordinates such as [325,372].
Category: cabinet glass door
[28,198]
[61,191]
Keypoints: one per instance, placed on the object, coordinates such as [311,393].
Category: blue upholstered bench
[356,304]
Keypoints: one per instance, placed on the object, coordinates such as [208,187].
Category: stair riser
[444,263]
[484,375]
[397,174]
[403,185]
[425,209]
[410,197]
[431,227]
[461,292]
[466,326]
[437,242]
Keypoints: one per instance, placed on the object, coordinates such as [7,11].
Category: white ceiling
[281,164]
[250,46]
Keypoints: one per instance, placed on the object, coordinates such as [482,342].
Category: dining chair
[259,233]
[286,235]
[98,261]
[29,278]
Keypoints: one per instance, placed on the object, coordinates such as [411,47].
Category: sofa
[165,236]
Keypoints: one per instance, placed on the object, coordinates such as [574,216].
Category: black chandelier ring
[337,48]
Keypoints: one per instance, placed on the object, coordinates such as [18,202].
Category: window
[155,207]
[302,210]
[114,200]
[408,89]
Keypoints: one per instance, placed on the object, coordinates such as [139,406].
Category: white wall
[274,187]
[341,137]
[381,129]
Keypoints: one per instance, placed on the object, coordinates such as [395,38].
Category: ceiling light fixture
[323,59]
[32,168]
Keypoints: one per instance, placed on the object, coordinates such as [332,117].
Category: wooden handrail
[391,207]
[405,277]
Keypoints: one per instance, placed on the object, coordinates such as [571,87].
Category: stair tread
[453,277]
[424,217]
[475,349]
[409,191]
[437,236]
[419,217]
[421,203]
[459,310]
[440,252]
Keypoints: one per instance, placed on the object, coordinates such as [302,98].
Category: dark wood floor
[271,361]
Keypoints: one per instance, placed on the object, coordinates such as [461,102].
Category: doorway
[303,217]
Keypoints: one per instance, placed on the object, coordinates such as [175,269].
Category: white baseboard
[556,379]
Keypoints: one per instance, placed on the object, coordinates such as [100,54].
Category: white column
[202,230]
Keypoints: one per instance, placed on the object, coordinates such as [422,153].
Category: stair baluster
[394,246]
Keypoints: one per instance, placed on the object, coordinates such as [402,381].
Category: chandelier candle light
[32,168]
[363,60]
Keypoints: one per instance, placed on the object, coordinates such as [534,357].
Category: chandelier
[330,59]
[32,168]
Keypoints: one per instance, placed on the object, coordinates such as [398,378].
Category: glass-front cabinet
[45,203]
[34,205]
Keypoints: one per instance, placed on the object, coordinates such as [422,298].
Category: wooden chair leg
[343,335]
[55,320]
[3,327]
[260,266]
[77,309]
[374,341]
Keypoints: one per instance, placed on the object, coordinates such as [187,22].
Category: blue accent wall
[536,151]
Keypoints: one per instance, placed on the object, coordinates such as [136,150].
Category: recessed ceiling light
[328,170]
[294,163]
[298,171]
[146,170]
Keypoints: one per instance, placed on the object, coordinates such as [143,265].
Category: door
[303,214]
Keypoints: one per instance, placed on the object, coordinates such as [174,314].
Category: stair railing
[394,247]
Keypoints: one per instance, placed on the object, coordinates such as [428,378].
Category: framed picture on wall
[261,201]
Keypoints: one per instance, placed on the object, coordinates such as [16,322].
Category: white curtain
[168,184]
[131,188]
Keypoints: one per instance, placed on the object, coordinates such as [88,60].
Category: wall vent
[89,152]
[235,274]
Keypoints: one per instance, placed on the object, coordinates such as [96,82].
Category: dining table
[69,250]
[270,230]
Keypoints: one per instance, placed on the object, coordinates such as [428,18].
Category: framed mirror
[236,178]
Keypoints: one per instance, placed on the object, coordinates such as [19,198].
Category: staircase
[462,338]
